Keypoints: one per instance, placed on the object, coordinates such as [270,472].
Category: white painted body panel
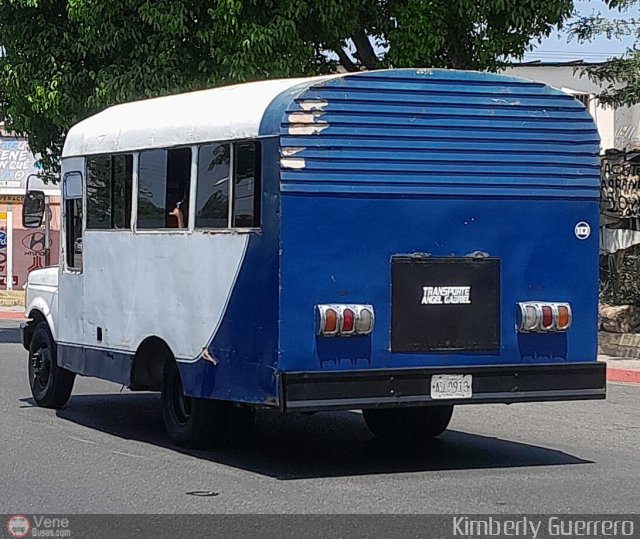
[174,285]
[42,295]
[225,113]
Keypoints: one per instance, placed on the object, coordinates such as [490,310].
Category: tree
[620,77]
[66,59]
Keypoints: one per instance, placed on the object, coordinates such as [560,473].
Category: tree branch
[345,61]
[364,49]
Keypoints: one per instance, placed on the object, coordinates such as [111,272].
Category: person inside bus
[179,214]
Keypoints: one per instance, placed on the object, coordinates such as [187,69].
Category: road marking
[127,454]
[82,440]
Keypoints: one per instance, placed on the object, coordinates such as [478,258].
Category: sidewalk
[622,370]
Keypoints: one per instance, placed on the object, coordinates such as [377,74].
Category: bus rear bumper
[387,388]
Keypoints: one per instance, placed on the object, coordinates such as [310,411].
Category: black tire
[201,423]
[412,424]
[50,384]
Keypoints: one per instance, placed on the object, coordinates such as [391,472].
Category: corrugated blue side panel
[439,162]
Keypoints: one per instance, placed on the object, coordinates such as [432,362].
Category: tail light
[344,320]
[541,316]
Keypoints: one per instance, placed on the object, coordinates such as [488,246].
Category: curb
[12,316]
[626,376]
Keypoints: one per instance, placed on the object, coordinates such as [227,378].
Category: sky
[556,47]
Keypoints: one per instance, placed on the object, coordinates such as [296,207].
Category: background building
[619,128]
[22,250]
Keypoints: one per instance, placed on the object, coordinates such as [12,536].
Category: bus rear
[438,246]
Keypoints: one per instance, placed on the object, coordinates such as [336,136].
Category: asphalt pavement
[106,452]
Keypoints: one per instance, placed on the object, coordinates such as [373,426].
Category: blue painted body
[406,161]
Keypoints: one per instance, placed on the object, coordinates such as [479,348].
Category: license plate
[451,386]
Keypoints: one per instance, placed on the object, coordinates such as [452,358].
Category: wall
[17,163]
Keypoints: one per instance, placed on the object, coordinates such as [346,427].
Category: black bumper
[305,391]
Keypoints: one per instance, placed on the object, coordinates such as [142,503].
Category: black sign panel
[445,304]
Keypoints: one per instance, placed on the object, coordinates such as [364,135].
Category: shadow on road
[10,335]
[302,446]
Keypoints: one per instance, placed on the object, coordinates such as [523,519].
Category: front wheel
[50,384]
[415,424]
[200,423]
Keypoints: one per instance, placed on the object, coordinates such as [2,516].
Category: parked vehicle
[396,241]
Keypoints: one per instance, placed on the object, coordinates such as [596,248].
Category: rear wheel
[420,423]
[50,384]
[200,423]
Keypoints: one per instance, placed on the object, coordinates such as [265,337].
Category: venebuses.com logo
[21,526]
[18,526]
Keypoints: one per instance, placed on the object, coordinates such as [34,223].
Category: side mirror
[33,209]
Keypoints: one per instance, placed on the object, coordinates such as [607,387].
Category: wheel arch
[38,312]
[148,362]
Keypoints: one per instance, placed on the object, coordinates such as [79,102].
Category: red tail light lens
[547,317]
[348,326]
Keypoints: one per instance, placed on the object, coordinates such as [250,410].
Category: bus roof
[224,113]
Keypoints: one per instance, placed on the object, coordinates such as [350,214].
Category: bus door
[71,281]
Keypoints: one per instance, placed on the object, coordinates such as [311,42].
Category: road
[106,452]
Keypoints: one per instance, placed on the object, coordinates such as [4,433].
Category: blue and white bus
[396,242]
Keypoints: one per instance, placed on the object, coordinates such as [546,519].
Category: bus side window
[212,197]
[109,179]
[73,220]
[74,233]
[163,188]
[214,208]
[246,185]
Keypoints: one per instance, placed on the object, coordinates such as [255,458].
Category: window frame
[66,267]
[258,186]
[135,191]
[133,199]
[193,186]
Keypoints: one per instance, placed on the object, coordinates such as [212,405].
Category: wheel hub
[42,366]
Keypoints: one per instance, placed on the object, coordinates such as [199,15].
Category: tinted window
[72,222]
[178,181]
[163,188]
[99,196]
[152,187]
[122,170]
[109,191]
[212,198]
[246,187]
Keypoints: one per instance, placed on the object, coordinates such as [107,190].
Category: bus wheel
[416,424]
[50,384]
[201,423]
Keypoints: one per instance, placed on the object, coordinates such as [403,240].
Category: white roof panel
[225,113]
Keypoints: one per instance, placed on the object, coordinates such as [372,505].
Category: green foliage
[619,283]
[620,77]
[66,59]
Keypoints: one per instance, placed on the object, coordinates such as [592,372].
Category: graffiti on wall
[620,184]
